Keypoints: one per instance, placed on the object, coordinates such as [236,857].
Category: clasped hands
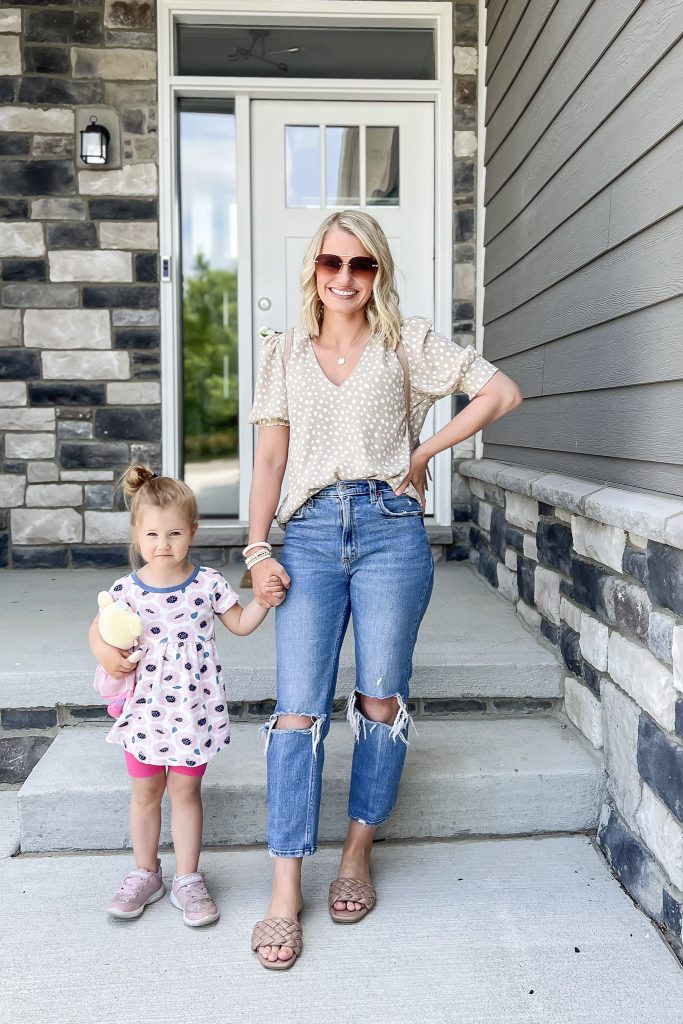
[270,582]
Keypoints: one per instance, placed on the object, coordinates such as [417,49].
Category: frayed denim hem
[372,824]
[308,852]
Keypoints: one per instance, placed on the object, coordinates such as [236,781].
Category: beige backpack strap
[403,360]
[289,335]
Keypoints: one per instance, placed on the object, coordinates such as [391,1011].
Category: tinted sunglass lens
[329,262]
[357,264]
[361,265]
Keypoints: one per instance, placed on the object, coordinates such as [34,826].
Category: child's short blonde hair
[142,486]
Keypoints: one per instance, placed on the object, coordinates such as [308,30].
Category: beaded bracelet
[259,557]
[256,544]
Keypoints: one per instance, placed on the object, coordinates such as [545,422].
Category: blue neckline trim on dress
[164,590]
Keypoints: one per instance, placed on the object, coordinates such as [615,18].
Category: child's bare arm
[242,621]
[110,658]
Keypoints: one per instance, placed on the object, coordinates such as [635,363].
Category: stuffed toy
[121,628]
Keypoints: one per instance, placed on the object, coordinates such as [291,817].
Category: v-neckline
[338,387]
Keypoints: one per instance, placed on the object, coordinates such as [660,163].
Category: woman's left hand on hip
[417,476]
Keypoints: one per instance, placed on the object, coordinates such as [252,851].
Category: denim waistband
[344,488]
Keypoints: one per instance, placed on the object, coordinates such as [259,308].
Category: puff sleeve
[270,393]
[438,366]
[223,597]
[120,589]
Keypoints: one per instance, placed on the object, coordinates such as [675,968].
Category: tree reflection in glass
[210,443]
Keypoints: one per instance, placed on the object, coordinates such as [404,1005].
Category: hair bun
[136,477]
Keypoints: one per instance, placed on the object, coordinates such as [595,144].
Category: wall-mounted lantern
[94,143]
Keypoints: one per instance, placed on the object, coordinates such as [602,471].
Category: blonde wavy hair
[382,310]
[141,487]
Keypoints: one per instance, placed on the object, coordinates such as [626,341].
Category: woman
[331,406]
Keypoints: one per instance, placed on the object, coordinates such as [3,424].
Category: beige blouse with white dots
[357,430]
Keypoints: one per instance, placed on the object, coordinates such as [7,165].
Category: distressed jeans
[353,550]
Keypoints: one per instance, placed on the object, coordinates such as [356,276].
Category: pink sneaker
[189,894]
[139,888]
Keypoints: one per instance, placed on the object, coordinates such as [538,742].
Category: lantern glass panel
[94,145]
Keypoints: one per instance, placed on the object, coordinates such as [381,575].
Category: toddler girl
[176,719]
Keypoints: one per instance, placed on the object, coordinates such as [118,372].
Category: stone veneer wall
[598,572]
[79,299]
[79,318]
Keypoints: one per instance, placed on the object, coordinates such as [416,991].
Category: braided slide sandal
[277,931]
[351,890]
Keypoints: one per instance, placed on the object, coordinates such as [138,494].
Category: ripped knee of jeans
[315,729]
[398,729]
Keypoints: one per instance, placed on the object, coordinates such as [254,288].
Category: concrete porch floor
[483,932]
[471,642]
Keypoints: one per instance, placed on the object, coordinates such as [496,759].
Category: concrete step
[478,778]
[9,823]
[521,931]
[471,646]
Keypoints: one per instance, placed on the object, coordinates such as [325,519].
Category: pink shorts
[143,770]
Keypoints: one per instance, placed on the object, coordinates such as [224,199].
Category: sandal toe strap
[277,931]
[352,890]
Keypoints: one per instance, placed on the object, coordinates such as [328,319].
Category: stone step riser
[17,722]
[45,704]
[230,820]
[462,779]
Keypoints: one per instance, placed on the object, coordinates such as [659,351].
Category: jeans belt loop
[373,492]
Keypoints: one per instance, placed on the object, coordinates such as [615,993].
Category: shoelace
[130,887]
[197,894]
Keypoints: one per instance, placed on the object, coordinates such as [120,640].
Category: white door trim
[377,12]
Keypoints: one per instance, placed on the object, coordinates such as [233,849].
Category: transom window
[305,51]
[341,165]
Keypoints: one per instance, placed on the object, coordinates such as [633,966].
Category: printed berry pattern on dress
[178,712]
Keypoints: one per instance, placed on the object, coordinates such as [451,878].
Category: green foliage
[209,336]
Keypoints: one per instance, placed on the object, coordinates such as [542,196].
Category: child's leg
[144,885]
[189,892]
[145,817]
[187,818]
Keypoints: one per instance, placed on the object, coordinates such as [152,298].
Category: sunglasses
[357,264]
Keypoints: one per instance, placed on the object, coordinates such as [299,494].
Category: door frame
[436,15]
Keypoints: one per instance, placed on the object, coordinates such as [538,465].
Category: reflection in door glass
[342,166]
[381,166]
[302,165]
[209,305]
[304,50]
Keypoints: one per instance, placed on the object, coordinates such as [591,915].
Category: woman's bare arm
[499,396]
[270,462]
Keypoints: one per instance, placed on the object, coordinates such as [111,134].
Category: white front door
[310,158]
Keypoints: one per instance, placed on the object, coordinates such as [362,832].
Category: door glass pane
[305,51]
[302,165]
[381,166]
[208,209]
[342,166]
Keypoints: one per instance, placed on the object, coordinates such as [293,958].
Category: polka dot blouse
[357,430]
